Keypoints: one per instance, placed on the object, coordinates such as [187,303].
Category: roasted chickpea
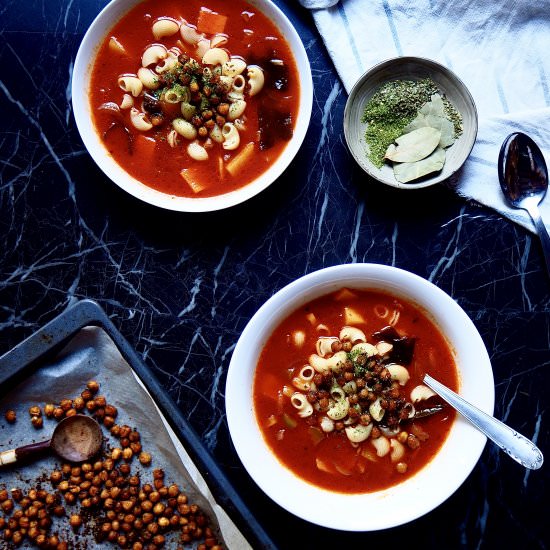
[111,410]
[116,453]
[35,410]
[7,505]
[37,422]
[100,401]
[109,422]
[158,473]
[65,404]
[75,521]
[86,395]
[401,467]
[93,386]
[145,458]
[79,403]
[11,416]
[125,431]
[58,511]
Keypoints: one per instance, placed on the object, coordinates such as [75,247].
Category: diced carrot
[271,421]
[211,22]
[325,466]
[144,147]
[311,318]
[289,421]
[345,295]
[191,179]
[115,46]
[316,435]
[241,159]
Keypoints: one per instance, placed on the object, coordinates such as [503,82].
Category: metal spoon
[511,442]
[524,180]
[76,439]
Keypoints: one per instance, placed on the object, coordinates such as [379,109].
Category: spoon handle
[22,453]
[511,442]
[534,212]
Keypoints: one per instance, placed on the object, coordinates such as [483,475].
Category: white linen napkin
[500,50]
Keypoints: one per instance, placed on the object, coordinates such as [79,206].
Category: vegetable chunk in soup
[338,391]
[195,99]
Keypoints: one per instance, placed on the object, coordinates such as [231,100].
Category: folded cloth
[498,49]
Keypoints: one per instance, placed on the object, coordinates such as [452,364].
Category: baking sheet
[91,354]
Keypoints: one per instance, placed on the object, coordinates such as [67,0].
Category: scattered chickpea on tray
[104,498]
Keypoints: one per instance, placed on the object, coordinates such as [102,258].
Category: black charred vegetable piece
[151,104]
[403,346]
[273,125]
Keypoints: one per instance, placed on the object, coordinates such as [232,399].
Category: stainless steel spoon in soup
[524,180]
[514,444]
[76,439]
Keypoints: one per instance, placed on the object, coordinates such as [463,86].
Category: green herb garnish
[390,109]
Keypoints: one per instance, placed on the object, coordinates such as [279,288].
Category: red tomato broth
[300,446]
[159,167]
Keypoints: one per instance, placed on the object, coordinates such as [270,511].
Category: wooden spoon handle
[22,453]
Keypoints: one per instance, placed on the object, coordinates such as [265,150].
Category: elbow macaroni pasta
[164,26]
[301,404]
[131,84]
[153,54]
[167,74]
[231,138]
[139,120]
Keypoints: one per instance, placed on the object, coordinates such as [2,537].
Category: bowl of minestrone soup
[326,404]
[192,106]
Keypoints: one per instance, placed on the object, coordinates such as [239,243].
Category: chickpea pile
[105,494]
[372,381]
[206,95]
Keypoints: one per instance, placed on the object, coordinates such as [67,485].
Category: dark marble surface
[182,287]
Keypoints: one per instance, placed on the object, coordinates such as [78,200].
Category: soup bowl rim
[401,503]
[80,85]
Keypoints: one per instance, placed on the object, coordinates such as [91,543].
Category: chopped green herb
[392,108]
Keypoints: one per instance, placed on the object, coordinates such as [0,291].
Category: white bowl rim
[85,57]
[397,505]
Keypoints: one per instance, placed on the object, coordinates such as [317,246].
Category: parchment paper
[91,354]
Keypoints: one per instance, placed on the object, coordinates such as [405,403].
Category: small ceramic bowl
[409,68]
[94,37]
[411,498]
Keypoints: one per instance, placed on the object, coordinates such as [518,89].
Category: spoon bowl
[76,439]
[523,178]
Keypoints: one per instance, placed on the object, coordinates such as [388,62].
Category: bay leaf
[433,107]
[414,145]
[409,171]
[432,114]
[418,122]
[444,125]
